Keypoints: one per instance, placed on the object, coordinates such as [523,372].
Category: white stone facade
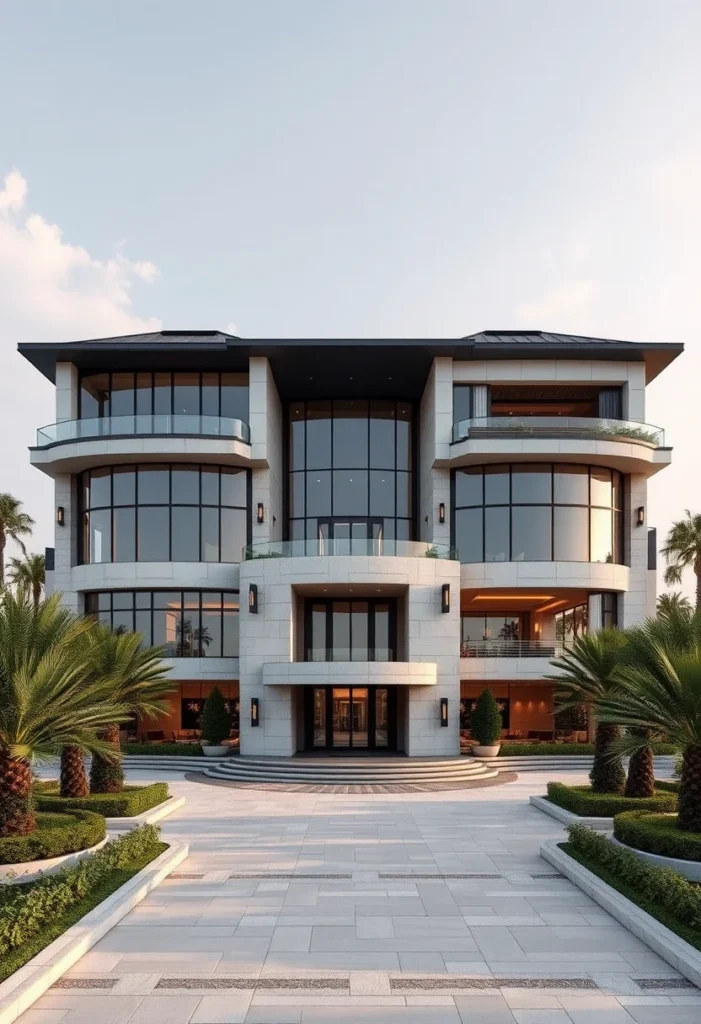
[428,668]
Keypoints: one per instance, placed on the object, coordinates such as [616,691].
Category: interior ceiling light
[513,597]
[553,604]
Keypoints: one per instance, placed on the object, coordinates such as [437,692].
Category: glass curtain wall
[351,630]
[538,512]
[164,513]
[164,394]
[350,480]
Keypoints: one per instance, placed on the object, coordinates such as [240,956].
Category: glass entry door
[350,718]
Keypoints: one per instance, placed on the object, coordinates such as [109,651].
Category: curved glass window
[188,623]
[164,394]
[164,513]
[538,513]
[350,472]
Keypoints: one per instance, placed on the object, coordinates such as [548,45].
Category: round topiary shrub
[656,833]
[485,722]
[216,720]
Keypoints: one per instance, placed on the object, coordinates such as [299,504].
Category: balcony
[511,660]
[323,548]
[625,445]
[142,426]
[350,654]
[504,648]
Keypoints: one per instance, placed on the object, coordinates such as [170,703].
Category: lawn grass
[684,931]
[16,958]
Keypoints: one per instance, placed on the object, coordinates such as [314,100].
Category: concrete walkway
[418,908]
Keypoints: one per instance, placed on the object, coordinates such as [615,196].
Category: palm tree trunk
[607,775]
[3,541]
[698,590]
[16,814]
[74,781]
[689,819]
[641,769]
[106,773]
[36,594]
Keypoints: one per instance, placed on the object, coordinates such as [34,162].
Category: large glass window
[189,624]
[538,513]
[350,471]
[164,394]
[338,630]
[164,513]
[482,635]
[570,623]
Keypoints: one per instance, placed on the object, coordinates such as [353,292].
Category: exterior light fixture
[445,598]
[255,713]
[253,598]
[260,513]
[61,515]
[441,512]
[444,712]
[640,516]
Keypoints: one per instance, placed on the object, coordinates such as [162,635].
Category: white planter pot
[220,750]
[490,751]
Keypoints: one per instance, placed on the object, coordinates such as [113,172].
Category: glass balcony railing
[505,648]
[577,427]
[143,426]
[323,548]
[351,654]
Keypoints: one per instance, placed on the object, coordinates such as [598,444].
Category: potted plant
[215,725]
[485,725]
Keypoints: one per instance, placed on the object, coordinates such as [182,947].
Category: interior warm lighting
[553,604]
[513,597]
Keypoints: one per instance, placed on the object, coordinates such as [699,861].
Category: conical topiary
[216,720]
[485,723]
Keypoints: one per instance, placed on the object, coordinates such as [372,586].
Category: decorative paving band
[439,877]
[284,876]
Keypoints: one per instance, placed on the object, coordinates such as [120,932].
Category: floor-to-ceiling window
[342,630]
[350,479]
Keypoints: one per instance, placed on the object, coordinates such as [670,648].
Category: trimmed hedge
[657,833]
[669,786]
[553,749]
[26,910]
[131,801]
[55,835]
[584,801]
[162,749]
[657,887]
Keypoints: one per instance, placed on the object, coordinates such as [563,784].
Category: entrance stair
[350,770]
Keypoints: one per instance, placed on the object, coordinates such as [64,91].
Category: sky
[350,168]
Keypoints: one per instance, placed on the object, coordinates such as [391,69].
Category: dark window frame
[86,510]
[172,373]
[617,511]
[371,602]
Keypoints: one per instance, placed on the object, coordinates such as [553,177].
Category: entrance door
[351,536]
[351,718]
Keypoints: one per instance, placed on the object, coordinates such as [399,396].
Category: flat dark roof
[312,367]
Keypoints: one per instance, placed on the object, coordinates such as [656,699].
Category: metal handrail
[143,426]
[577,427]
[500,647]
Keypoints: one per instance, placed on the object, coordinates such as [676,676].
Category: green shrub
[163,749]
[584,801]
[131,801]
[55,835]
[485,721]
[671,786]
[657,833]
[661,887]
[216,720]
[552,748]
[26,909]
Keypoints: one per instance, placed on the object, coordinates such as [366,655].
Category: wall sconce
[255,715]
[444,712]
[61,516]
[640,516]
[445,598]
[253,598]
[260,513]
[538,628]
[441,512]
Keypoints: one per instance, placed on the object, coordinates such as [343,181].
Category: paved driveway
[318,908]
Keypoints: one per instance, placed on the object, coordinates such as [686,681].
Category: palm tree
[48,698]
[683,548]
[14,524]
[664,697]
[588,672]
[28,574]
[667,604]
[140,685]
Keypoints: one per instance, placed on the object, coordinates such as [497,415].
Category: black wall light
[445,598]
[253,598]
[441,512]
[640,516]
[61,515]
[444,712]
[260,513]
[255,712]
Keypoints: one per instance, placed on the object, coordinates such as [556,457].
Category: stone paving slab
[401,908]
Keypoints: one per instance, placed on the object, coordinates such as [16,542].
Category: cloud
[50,290]
[563,303]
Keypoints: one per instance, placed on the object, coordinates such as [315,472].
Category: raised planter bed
[131,802]
[574,805]
[55,835]
[655,839]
